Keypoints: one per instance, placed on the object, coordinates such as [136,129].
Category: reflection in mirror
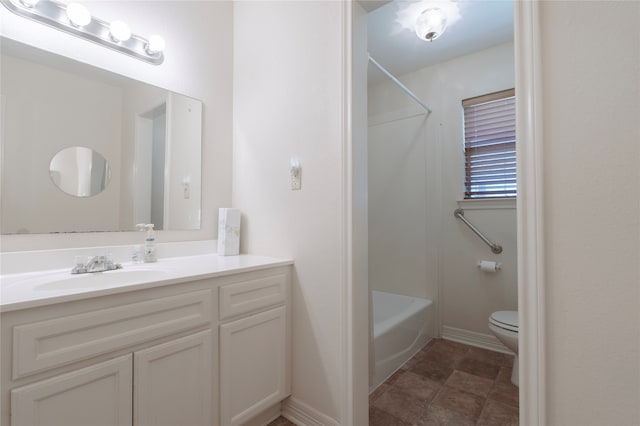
[80,171]
[149,138]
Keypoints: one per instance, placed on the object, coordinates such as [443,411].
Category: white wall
[417,246]
[591,146]
[198,64]
[288,101]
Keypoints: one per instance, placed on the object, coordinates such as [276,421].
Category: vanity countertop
[39,288]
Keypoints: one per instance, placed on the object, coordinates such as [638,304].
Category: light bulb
[29,3]
[155,45]
[431,24]
[78,15]
[119,31]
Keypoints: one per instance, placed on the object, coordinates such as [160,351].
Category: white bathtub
[402,325]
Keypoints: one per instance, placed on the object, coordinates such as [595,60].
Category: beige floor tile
[419,386]
[447,384]
[460,401]
[399,404]
[468,382]
[507,393]
[440,416]
[478,368]
[498,414]
[378,417]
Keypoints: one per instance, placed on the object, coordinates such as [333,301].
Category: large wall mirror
[86,150]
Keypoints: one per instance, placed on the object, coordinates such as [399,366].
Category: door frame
[531,301]
[531,297]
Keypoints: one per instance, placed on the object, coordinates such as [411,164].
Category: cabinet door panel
[54,342]
[252,365]
[173,382]
[99,395]
[244,297]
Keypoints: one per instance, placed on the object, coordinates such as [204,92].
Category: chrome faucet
[94,264]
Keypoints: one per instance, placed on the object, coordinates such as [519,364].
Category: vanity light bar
[54,14]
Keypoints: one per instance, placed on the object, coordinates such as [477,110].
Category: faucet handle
[85,264]
[108,261]
[80,266]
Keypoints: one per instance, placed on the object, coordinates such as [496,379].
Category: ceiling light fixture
[119,31]
[78,14]
[431,24]
[29,3]
[75,19]
[155,45]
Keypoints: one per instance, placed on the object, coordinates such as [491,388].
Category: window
[490,145]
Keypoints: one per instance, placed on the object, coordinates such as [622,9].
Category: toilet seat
[507,320]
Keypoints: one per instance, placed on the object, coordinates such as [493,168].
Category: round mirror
[80,171]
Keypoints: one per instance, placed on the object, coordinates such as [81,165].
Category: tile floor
[446,384]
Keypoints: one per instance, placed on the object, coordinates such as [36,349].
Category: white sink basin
[64,280]
[99,279]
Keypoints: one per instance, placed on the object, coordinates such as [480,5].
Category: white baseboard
[304,415]
[472,338]
[265,417]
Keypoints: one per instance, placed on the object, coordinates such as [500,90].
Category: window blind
[490,145]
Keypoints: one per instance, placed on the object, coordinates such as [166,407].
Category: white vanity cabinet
[213,351]
[173,382]
[98,395]
[104,362]
[172,387]
[254,347]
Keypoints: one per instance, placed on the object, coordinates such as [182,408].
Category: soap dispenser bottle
[150,244]
[137,251]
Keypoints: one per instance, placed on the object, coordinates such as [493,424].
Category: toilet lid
[505,319]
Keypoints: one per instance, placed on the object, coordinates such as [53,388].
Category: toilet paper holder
[489,266]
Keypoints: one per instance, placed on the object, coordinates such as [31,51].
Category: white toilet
[504,324]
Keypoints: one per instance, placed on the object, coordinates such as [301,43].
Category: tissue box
[228,232]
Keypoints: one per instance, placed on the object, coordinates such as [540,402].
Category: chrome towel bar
[496,248]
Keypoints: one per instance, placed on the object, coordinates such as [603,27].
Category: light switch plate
[296,174]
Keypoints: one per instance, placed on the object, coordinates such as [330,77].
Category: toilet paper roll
[489,266]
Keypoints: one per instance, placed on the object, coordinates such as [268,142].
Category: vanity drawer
[47,344]
[246,296]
